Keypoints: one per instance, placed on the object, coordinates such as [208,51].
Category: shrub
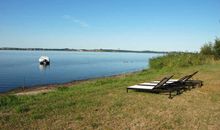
[210,49]
[173,60]
[207,49]
[216,48]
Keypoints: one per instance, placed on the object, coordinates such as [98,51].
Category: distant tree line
[83,50]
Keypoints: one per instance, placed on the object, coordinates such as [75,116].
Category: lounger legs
[177,92]
[170,97]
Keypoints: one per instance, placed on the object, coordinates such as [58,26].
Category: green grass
[104,104]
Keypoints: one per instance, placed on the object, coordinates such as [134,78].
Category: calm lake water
[21,68]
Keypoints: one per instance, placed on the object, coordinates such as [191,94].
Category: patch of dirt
[34,92]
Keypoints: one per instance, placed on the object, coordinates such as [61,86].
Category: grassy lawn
[105,104]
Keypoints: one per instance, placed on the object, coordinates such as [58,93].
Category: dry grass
[104,104]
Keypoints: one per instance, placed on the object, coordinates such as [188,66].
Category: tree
[207,49]
[216,48]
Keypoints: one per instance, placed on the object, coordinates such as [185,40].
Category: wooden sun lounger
[186,81]
[167,84]
[152,87]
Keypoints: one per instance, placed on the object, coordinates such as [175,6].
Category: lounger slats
[150,84]
[141,87]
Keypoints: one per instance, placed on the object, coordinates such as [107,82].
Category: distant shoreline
[79,50]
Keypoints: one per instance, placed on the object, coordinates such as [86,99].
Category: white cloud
[77,21]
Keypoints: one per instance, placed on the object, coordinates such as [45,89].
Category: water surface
[21,68]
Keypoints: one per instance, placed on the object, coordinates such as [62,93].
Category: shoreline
[31,90]
[84,50]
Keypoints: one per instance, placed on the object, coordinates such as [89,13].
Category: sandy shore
[42,88]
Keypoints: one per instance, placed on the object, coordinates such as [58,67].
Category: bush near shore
[209,53]
[174,60]
[212,49]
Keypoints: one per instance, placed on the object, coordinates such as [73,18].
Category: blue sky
[168,25]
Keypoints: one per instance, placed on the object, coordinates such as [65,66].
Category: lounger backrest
[183,78]
[190,76]
[163,81]
[187,77]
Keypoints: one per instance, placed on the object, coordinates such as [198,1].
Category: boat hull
[44,60]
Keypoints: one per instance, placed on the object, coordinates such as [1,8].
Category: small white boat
[44,60]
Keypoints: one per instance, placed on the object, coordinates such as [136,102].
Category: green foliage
[174,60]
[207,49]
[217,48]
[211,49]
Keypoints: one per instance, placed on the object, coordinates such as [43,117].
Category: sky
[159,25]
